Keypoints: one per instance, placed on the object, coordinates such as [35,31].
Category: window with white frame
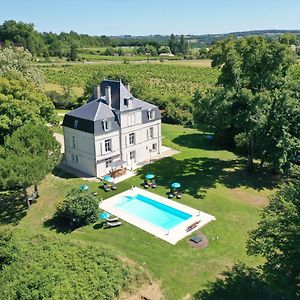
[73,142]
[77,159]
[150,114]
[154,147]
[108,162]
[106,125]
[131,138]
[72,157]
[151,133]
[132,155]
[128,102]
[107,145]
[75,124]
[131,120]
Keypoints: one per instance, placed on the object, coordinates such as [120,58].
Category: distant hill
[45,44]
[204,40]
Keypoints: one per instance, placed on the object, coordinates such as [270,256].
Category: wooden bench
[192,226]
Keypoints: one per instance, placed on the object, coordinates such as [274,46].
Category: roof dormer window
[75,124]
[106,125]
[150,114]
[128,102]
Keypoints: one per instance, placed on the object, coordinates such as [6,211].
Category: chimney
[128,87]
[97,92]
[108,95]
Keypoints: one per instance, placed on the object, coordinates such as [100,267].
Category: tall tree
[252,82]
[183,45]
[22,102]
[28,156]
[73,56]
[277,239]
[19,61]
[173,44]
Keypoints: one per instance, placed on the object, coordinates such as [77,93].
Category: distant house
[113,130]
[166,54]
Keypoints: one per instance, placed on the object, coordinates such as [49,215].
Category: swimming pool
[152,211]
[164,218]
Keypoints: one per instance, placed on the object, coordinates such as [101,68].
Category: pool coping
[171,236]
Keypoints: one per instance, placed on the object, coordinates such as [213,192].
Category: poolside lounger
[115,219]
[192,226]
[113,224]
[146,185]
[113,186]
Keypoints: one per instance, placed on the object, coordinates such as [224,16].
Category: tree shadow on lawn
[62,174]
[196,141]
[59,224]
[13,207]
[197,175]
[99,225]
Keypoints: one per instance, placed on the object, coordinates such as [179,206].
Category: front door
[108,166]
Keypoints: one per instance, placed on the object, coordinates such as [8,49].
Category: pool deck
[171,236]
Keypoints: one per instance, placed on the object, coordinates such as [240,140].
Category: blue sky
[143,17]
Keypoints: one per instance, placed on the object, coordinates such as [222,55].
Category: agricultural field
[168,85]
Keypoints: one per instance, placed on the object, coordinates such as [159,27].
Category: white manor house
[113,130]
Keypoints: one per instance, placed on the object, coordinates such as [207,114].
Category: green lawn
[214,182]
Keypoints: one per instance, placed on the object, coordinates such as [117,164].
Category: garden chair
[106,188]
[146,185]
[178,195]
[153,184]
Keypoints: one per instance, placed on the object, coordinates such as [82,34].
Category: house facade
[113,130]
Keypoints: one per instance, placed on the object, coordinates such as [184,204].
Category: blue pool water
[152,211]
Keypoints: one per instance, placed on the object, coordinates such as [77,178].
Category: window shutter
[102,146]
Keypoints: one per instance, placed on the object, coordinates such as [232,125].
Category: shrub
[53,268]
[8,249]
[79,208]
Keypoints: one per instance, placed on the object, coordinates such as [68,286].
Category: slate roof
[93,110]
[91,115]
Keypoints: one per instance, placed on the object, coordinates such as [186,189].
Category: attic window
[75,124]
[150,114]
[128,102]
[106,125]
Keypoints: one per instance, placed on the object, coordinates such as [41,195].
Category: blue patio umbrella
[105,215]
[175,185]
[149,176]
[84,187]
[108,178]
